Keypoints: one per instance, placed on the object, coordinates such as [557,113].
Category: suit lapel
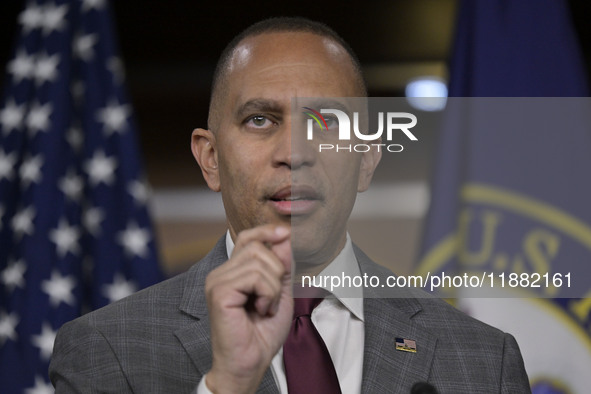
[386,369]
[195,337]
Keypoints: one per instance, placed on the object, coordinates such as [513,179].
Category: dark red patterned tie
[308,366]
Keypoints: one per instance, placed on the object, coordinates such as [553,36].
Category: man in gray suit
[221,325]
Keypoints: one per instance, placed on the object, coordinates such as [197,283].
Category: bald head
[240,49]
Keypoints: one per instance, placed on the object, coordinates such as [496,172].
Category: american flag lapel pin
[406,345]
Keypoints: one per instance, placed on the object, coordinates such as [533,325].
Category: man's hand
[251,307]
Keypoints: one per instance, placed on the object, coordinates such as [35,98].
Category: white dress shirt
[339,321]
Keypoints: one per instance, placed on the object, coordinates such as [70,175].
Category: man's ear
[369,162]
[203,146]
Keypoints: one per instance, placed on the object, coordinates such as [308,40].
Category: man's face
[267,173]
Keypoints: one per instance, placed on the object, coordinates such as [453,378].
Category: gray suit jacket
[157,341]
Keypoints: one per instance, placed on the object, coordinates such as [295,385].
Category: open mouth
[295,200]
[291,198]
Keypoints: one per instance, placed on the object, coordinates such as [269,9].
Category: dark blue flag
[511,190]
[74,231]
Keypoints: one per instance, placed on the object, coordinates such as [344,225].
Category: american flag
[74,228]
[407,345]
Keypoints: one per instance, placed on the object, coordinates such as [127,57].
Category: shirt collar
[345,264]
[229,244]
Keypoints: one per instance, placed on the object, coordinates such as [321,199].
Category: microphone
[423,388]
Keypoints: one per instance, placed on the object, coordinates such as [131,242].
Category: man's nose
[293,148]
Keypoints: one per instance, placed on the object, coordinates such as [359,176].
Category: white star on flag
[100,168]
[139,191]
[54,18]
[30,170]
[22,222]
[41,387]
[31,18]
[13,275]
[65,238]
[120,288]
[7,162]
[11,116]
[44,341]
[8,325]
[72,185]
[22,66]
[46,68]
[90,4]
[38,117]
[59,289]
[114,117]
[134,240]
[92,219]
[83,46]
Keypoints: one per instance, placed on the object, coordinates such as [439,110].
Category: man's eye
[331,122]
[258,121]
